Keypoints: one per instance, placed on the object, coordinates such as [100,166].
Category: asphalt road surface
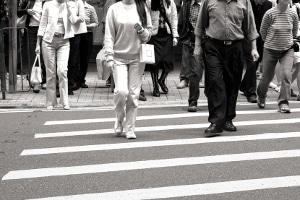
[75,155]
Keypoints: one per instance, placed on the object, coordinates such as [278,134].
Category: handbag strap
[37,59]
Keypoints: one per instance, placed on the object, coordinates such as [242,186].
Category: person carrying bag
[36,74]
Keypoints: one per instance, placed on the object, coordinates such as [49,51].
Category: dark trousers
[195,73]
[224,68]
[248,84]
[86,47]
[73,60]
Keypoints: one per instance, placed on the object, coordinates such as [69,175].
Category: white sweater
[121,38]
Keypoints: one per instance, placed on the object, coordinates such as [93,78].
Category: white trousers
[128,80]
[56,56]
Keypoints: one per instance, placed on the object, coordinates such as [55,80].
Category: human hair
[140,6]
[155,4]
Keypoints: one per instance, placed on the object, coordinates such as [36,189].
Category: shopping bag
[102,69]
[36,71]
[21,21]
[147,54]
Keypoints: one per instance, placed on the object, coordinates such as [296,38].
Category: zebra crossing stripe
[162,128]
[169,116]
[160,143]
[189,190]
[148,164]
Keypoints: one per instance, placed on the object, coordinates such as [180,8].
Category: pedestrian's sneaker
[182,84]
[66,107]
[284,108]
[261,102]
[130,135]
[49,107]
[118,128]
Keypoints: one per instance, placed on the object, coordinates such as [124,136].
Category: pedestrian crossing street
[170,159]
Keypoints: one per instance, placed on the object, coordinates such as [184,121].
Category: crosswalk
[167,161]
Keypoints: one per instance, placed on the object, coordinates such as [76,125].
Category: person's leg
[72,63]
[120,73]
[154,76]
[185,67]
[135,74]
[270,59]
[49,55]
[233,60]
[195,76]
[286,64]
[86,45]
[62,71]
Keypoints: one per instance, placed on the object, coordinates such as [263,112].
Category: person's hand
[138,27]
[110,64]
[175,41]
[254,54]
[197,53]
[30,12]
[81,19]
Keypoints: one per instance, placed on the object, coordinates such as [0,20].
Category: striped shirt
[91,17]
[194,11]
[279,28]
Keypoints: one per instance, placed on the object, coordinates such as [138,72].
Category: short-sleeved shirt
[226,20]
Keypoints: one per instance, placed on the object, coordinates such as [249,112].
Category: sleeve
[146,34]
[94,17]
[249,26]
[174,19]
[265,24]
[74,18]
[44,20]
[295,24]
[203,19]
[110,35]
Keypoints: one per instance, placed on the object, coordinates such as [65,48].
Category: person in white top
[128,24]
[54,33]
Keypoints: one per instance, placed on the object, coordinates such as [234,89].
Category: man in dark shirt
[248,84]
[221,27]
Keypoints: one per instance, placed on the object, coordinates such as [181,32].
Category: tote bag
[102,70]
[36,71]
[147,54]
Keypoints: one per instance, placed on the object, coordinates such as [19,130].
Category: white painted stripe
[168,116]
[148,164]
[189,190]
[160,143]
[162,128]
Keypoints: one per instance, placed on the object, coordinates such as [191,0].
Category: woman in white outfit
[128,24]
[54,33]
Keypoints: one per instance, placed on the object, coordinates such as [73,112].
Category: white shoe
[118,128]
[130,135]
[182,84]
[49,107]
[66,107]
[272,85]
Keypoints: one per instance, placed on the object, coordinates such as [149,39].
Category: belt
[225,42]
[59,35]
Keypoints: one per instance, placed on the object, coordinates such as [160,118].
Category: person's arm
[93,18]
[145,32]
[109,38]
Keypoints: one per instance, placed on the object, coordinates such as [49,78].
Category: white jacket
[171,13]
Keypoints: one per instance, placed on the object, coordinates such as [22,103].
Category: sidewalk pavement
[98,95]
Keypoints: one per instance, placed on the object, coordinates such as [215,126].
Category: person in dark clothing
[32,8]
[223,56]
[186,25]
[248,84]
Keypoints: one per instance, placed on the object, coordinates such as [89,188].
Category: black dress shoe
[83,85]
[70,92]
[57,94]
[293,94]
[252,99]
[228,126]
[74,87]
[213,130]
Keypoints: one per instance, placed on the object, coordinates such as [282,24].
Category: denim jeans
[270,59]
[56,55]
[128,80]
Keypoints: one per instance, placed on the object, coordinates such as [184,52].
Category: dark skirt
[163,48]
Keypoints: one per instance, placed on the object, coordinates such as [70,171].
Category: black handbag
[296,46]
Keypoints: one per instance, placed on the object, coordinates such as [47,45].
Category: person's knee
[121,92]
